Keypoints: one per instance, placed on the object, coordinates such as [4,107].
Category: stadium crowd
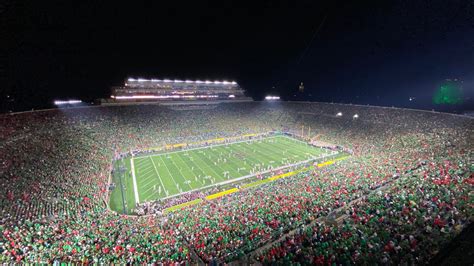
[403,194]
[157,207]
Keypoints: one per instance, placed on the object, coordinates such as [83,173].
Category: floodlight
[272,97]
[339,114]
[225,82]
[232,96]
[356,116]
[67,102]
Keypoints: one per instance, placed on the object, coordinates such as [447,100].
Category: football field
[158,176]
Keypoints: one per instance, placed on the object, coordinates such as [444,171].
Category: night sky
[366,52]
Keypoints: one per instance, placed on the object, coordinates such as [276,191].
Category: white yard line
[181,173]
[146,192]
[159,177]
[197,165]
[175,184]
[134,178]
[207,147]
[149,181]
[210,167]
[191,171]
[145,173]
[213,170]
[249,176]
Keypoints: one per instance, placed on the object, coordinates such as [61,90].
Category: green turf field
[158,176]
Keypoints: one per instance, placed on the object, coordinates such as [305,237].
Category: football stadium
[231,133]
[170,174]
[233,181]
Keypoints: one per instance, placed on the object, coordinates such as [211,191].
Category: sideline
[135,188]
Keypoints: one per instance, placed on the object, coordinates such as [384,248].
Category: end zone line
[135,189]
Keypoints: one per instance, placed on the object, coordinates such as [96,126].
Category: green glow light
[448,93]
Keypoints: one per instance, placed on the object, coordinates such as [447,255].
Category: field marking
[299,151]
[147,172]
[209,146]
[252,175]
[250,154]
[210,166]
[281,141]
[134,178]
[231,162]
[159,177]
[140,161]
[150,175]
[270,153]
[146,192]
[149,181]
[267,150]
[191,171]
[203,172]
[181,172]
[176,184]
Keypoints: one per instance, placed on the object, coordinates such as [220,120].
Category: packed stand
[405,192]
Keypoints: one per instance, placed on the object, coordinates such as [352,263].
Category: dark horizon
[362,53]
